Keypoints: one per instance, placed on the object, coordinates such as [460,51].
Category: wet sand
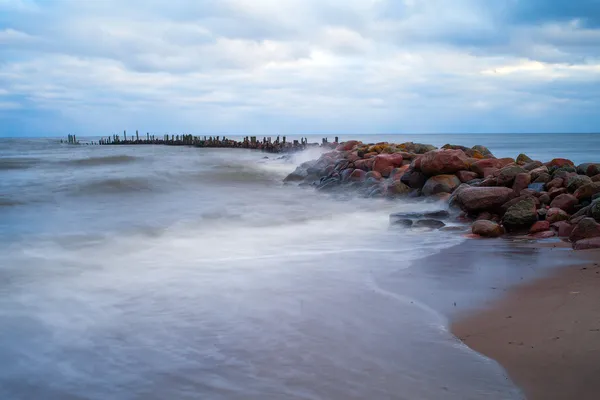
[545,333]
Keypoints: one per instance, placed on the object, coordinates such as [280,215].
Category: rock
[532,165]
[596,178]
[483,150]
[490,172]
[466,176]
[397,189]
[373,174]
[543,235]
[543,178]
[535,173]
[562,228]
[522,181]
[556,214]
[440,184]
[589,169]
[542,213]
[566,202]
[585,229]
[507,175]
[385,163]
[345,174]
[407,223]
[498,163]
[544,199]
[487,229]
[538,187]
[577,181]
[516,200]
[555,183]
[328,184]
[539,226]
[562,173]
[556,192]
[473,199]
[298,175]
[358,175]
[587,191]
[594,210]
[559,162]
[521,215]
[439,162]
[586,244]
[414,179]
[347,146]
[429,223]
[366,164]
[522,159]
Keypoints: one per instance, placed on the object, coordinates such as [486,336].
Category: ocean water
[155,272]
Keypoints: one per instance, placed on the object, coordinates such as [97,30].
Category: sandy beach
[545,333]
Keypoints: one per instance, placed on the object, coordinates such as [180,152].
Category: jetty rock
[447,161]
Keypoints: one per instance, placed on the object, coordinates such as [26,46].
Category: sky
[97,67]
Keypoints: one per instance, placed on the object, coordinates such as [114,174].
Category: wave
[114,186]
[106,160]
[18,163]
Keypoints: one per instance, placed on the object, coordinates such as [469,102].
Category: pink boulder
[565,202]
[560,162]
[474,199]
[522,180]
[373,174]
[586,244]
[497,163]
[347,146]
[563,228]
[555,183]
[585,229]
[385,163]
[440,184]
[466,176]
[486,228]
[587,191]
[539,226]
[439,162]
[358,175]
[557,191]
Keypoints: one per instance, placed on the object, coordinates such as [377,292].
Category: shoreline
[545,333]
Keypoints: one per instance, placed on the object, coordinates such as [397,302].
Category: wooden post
[125,136]
[336,139]
[137,137]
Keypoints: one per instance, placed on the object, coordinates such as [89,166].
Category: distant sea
[157,272]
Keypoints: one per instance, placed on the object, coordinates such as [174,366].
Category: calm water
[155,272]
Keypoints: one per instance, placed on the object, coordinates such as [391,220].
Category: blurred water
[155,272]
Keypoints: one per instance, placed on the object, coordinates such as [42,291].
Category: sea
[160,272]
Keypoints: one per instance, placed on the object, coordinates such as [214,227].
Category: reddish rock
[522,180]
[532,165]
[474,199]
[385,163]
[556,214]
[543,235]
[373,174]
[536,173]
[352,157]
[416,162]
[507,175]
[563,228]
[345,174]
[586,244]
[539,226]
[589,169]
[466,176]
[575,181]
[371,154]
[566,202]
[560,162]
[557,192]
[439,162]
[490,172]
[544,198]
[596,178]
[497,163]
[555,183]
[487,229]
[585,229]
[347,146]
[587,191]
[365,164]
[358,175]
[440,184]
[484,215]
[442,196]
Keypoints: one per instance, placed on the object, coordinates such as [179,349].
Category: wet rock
[497,163]
[466,176]
[414,179]
[539,226]
[487,229]
[562,228]
[345,174]
[437,214]
[522,159]
[542,212]
[397,189]
[587,191]
[516,200]
[565,202]
[589,169]
[554,192]
[577,181]
[522,181]
[543,178]
[373,174]
[358,175]
[535,173]
[587,244]
[440,184]
[428,223]
[555,183]
[585,229]
[397,173]
[405,222]
[538,187]
[521,215]
[298,175]
[328,185]
[453,228]
[507,175]
[385,163]
[439,162]
[475,199]
[594,210]
[532,165]
[559,162]
[347,146]
[556,214]
[544,199]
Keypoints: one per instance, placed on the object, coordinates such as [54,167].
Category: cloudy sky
[299,66]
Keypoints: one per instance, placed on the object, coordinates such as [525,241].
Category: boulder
[483,150]
[440,184]
[522,181]
[385,163]
[543,178]
[474,199]
[358,175]
[577,181]
[544,199]
[298,175]
[490,172]
[414,178]
[373,174]
[397,189]
[559,162]
[405,222]
[521,215]
[487,228]
[345,174]
[439,162]
[556,214]
[466,176]
[497,163]
[556,192]
[585,229]
[555,183]
[565,202]
[522,159]
[429,223]
[594,210]
[347,146]
[542,213]
[587,244]
[535,173]
[516,200]
[563,228]
[507,175]
[587,191]
[596,178]
[366,164]
[589,169]
[532,165]
[539,226]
